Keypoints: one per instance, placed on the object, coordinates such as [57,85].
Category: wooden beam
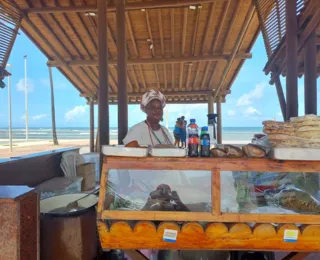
[204,40]
[112,8]
[135,49]
[152,49]
[172,46]
[140,61]
[169,101]
[291,59]
[57,55]
[166,93]
[183,47]
[104,133]
[122,71]
[310,76]
[91,125]
[240,37]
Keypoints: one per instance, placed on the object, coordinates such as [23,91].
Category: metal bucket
[68,235]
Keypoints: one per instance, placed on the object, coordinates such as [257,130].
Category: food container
[120,150]
[58,186]
[167,152]
[297,154]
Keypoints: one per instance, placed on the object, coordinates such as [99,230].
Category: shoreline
[21,147]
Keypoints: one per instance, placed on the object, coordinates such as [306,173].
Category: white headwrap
[151,95]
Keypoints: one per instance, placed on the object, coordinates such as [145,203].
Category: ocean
[78,133]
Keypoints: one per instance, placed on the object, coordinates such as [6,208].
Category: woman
[177,132]
[149,131]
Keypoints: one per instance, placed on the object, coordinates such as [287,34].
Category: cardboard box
[88,172]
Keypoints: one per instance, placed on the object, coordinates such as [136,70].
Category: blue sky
[251,101]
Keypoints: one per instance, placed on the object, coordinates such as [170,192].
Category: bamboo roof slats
[272,17]
[10,21]
[177,46]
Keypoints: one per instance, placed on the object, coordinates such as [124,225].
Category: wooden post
[219,122]
[281,98]
[291,56]
[91,126]
[210,104]
[122,71]
[53,113]
[103,74]
[310,75]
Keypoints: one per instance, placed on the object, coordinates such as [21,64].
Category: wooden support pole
[103,74]
[310,76]
[210,104]
[53,113]
[292,59]
[122,71]
[219,121]
[281,98]
[91,126]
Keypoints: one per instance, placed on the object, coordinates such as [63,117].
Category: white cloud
[23,117]
[251,111]
[248,98]
[75,112]
[21,85]
[38,117]
[56,85]
[231,113]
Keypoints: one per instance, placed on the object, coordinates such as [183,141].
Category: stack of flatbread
[301,132]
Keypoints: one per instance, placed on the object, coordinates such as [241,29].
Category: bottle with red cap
[193,139]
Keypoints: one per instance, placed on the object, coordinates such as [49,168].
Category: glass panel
[270,192]
[159,190]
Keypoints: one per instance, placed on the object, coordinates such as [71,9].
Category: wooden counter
[223,230]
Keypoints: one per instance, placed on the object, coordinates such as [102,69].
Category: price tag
[170,235]
[290,235]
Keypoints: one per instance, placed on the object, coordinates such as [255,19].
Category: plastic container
[193,139]
[59,186]
[120,150]
[204,142]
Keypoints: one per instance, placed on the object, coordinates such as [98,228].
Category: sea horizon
[81,133]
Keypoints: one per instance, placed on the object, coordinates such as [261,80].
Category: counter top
[13,192]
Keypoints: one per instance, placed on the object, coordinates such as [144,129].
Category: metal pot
[68,235]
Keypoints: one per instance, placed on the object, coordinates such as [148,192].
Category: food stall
[231,217]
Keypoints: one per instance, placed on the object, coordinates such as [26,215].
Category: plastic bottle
[211,130]
[204,142]
[193,139]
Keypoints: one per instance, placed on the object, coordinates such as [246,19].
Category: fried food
[253,151]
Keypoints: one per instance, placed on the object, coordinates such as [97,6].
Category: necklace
[154,134]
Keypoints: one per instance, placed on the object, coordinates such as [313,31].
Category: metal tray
[296,154]
[121,151]
[167,152]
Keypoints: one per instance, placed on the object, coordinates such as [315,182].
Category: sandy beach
[21,147]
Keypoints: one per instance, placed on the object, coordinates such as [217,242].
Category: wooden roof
[187,49]
[272,16]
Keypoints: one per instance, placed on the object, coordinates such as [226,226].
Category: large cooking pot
[68,235]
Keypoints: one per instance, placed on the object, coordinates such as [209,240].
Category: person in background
[183,135]
[177,132]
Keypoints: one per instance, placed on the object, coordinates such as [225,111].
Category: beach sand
[20,147]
